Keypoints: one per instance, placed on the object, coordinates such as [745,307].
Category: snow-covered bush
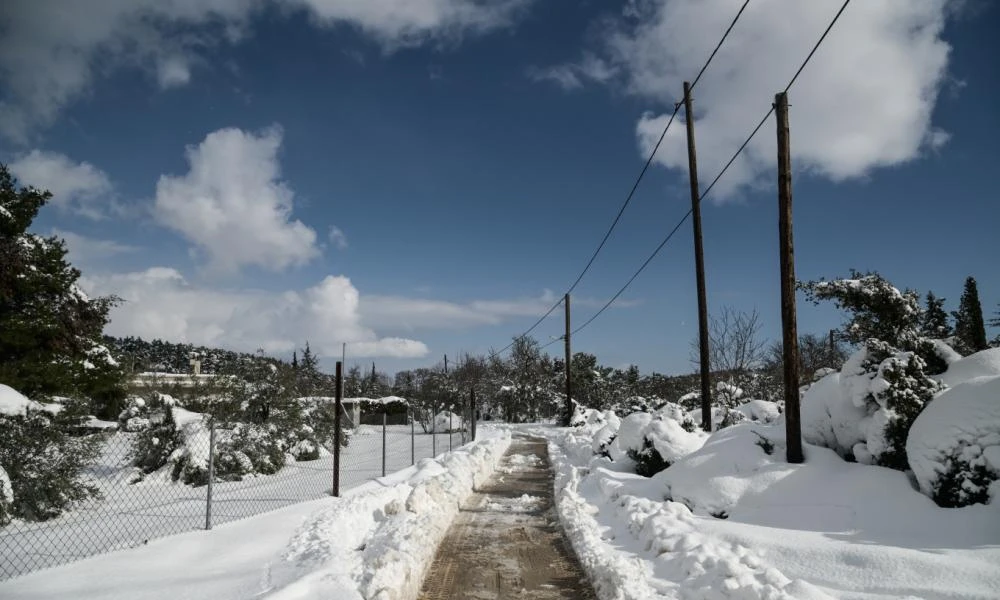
[6,498]
[865,411]
[447,421]
[43,462]
[654,443]
[954,445]
[156,436]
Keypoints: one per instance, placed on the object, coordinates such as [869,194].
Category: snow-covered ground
[134,514]
[731,518]
[377,541]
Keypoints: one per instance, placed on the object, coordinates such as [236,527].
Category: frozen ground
[375,542]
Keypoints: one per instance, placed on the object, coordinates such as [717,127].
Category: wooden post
[383,439]
[699,266]
[789,329]
[474,416]
[338,408]
[569,362]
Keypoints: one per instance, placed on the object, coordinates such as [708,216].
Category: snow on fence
[134,508]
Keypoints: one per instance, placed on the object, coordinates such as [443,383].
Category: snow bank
[954,445]
[740,522]
[762,411]
[669,557]
[399,554]
[980,364]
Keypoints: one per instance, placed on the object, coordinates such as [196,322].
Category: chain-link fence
[206,485]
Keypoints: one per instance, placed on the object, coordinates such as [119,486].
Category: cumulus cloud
[161,303]
[79,188]
[233,206]
[84,250]
[865,101]
[52,50]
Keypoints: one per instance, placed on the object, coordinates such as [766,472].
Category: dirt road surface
[506,542]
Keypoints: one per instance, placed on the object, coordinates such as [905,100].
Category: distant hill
[137,355]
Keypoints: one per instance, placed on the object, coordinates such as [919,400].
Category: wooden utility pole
[569,360]
[789,328]
[699,266]
[338,407]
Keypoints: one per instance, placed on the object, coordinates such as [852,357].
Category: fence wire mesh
[133,508]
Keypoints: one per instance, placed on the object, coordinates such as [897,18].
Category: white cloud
[160,303]
[87,250]
[233,206]
[399,312]
[173,71]
[52,50]
[338,237]
[403,23]
[79,188]
[865,100]
[571,76]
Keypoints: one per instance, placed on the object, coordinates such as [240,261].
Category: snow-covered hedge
[865,411]
[954,445]
[42,463]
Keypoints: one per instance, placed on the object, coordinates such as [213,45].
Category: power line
[721,173]
[635,185]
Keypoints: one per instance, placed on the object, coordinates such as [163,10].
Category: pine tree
[970,330]
[50,331]
[934,322]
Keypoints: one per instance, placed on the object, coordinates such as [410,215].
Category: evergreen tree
[50,331]
[970,330]
[934,323]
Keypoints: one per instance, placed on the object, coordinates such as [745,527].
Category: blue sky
[421,178]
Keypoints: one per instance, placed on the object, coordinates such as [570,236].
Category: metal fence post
[338,406]
[451,427]
[413,438]
[474,416]
[383,443]
[434,437]
[211,473]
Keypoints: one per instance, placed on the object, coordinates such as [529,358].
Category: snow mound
[606,434]
[446,421]
[13,403]
[980,364]
[762,411]
[954,445]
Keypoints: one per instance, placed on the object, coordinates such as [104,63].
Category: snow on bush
[761,411]
[954,445]
[606,433]
[654,443]
[446,421]
[6,497]
[981,364]
[866,410]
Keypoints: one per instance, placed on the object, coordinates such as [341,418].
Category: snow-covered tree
[970,330]
[934,323]
[50,331]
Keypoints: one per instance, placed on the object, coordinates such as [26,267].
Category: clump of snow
[446,421]
[981,364]
[666,436]
[13,403]
[761,411]
[954,445]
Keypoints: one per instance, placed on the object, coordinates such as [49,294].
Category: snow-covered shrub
[446,421]
[953,447]
[606,434]
[865,411]
[302,444]
[43,462]
[760,411]
[152,447]
[654,443]
[6,498]
[733,417]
